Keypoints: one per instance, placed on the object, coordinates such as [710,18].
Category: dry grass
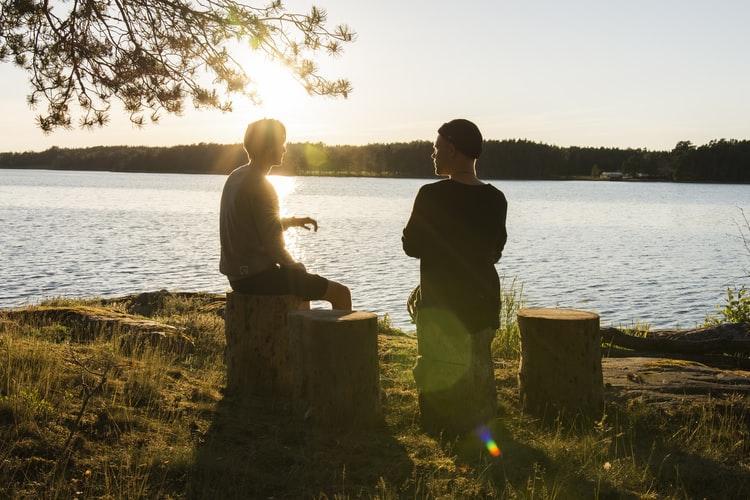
[159,426]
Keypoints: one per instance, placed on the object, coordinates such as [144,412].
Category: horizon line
[366,144]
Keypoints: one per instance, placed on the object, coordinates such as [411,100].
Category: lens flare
[485,435]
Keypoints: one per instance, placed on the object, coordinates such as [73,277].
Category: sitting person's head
[264,142]
[457,147]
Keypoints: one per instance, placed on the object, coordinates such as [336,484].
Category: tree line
[718,161]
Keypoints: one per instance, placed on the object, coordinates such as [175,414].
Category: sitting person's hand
[305,222]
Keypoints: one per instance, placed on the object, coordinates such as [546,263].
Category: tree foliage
[152,55]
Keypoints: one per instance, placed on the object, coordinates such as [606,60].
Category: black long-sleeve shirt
[458,233]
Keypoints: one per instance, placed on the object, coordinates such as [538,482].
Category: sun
[281,95]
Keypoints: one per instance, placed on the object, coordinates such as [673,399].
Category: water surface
[660,253]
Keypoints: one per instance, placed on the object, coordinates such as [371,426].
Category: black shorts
[283,281]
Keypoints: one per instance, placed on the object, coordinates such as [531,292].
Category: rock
[666,381]
[148,303]
[88,324]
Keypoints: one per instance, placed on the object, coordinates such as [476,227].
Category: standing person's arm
[414,239]
[264,206]
[502,232]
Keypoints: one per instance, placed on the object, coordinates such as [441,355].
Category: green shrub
[735,310]
[25,406]
[385,327]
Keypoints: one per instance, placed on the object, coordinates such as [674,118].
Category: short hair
[263,134]
[464,135]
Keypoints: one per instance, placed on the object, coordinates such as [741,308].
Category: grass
[507,342]
[86,419]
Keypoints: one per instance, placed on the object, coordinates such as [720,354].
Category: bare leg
[304,306]
[339,296]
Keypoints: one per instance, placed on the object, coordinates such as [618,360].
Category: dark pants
[283,281]
[454,375]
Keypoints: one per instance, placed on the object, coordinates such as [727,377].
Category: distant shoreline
[369,175]
[719,161]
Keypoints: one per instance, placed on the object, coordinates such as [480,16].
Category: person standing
[457,231]
[253,255]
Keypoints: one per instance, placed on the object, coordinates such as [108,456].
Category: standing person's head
[264,142]
[457,147]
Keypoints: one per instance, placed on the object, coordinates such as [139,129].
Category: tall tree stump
[336,353]
[257,355]
[561,366]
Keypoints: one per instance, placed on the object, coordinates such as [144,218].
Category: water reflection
[660,253]
[286,186]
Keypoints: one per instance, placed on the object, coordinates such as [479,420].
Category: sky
[642,74]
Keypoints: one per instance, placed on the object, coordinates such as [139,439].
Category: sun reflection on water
[284,187]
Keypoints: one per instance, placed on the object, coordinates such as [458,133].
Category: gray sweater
[250,226]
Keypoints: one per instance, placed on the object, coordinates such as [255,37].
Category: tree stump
[336,353]
[561,366]
[257,354]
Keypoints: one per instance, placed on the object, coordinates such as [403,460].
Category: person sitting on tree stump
[457,230]
[253,255]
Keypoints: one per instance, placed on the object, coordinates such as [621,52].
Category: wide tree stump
[561,367]
[336,353]
[257,355]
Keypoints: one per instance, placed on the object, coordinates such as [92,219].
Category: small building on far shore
[611,176]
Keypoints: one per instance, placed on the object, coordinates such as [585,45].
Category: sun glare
[284,186]
[281,95]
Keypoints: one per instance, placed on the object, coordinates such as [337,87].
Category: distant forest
[718,161]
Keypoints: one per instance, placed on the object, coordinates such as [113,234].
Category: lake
[659,253]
